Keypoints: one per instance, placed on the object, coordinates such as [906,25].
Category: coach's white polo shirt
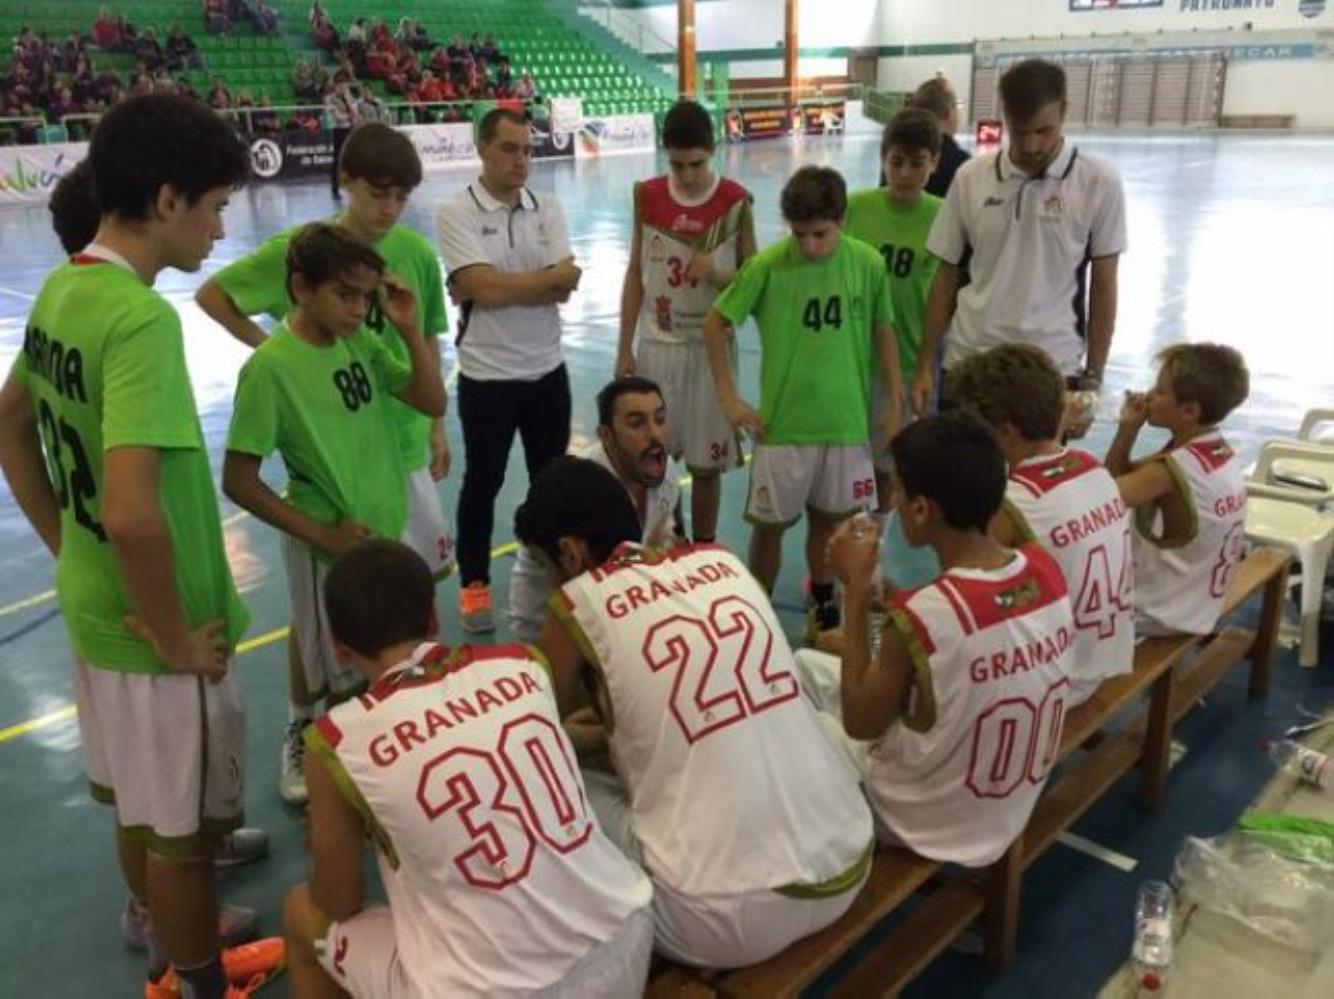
[1027,241]
[518,342]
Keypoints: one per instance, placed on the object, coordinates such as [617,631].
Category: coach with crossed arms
[510,266]
[1039,227]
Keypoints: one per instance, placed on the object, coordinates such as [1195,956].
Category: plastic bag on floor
[1239,875]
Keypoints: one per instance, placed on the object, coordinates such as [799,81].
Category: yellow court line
[41,721]
[33,601]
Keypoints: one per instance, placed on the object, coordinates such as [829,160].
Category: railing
[882,106]
[626,27]
[796,95]
[36,123]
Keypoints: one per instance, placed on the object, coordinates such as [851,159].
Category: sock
[157,960]
[205,981]
[822,593]
[303,713]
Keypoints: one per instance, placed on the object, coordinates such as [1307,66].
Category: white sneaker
[292,780]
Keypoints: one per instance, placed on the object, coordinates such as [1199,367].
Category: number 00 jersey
[957,776]
[671,230]
[1181,580]
[733,784]
[1068,503]
[498,875]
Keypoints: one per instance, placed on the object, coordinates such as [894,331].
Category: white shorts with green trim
[786,479]
[310,622]
[361,955]
[721,931]
[428,532]
[167,751]
[697,429]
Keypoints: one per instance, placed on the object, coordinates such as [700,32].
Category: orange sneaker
[475,609]
[248,969]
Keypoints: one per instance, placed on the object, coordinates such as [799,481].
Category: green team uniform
[258,284]
[105,365]
[817,324]
[898,233]
[326,410]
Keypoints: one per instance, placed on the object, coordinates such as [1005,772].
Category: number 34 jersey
[104,363]
[733,784]
[956,777]
[498,875]
[1068,503]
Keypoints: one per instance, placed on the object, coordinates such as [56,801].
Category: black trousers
[491,413]
[339,137]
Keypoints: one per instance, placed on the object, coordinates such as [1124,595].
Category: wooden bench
[958,897]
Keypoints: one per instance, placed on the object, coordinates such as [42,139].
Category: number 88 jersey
[733,784]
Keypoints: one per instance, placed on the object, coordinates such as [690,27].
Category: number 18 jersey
[733,785]
[498,875]
[958,775]
[1068,503]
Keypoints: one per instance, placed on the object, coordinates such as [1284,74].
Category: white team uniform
[1181,581]
[1068,503]
[750,821]
[957,776]
[498,877]
[530,584]
[671,319]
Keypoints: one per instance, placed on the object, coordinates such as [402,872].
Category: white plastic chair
[1290,459]
[1284,516]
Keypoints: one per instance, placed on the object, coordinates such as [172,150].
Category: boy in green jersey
[823,306]
[124,498]
[380,169]
[318,390]
[896,220]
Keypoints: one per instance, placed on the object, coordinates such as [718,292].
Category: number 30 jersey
[671,230]
[1068,503]
[1182,580]
[733,784]
[957,776]
[498,875]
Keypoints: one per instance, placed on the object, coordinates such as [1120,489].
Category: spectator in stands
[83,82]
[303,81]
[490,52]
[61,104]
[216,21]
[341,107]
[163,83]
[322,29]
[380,36]
[264,118]
[420,39]
[185,90]
[475,48]
[219,97]
[403,33]
[504,77]
[149,49]
[527,89]
[106,33]
[371,108]
[182,53]
[355,44]
[263,18]
[72,52]
[440,62]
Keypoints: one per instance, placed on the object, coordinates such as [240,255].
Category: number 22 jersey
[733,784]
[498,876]
[958,775]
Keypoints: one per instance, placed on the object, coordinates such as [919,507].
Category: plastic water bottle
[1308,765]
[1152,950]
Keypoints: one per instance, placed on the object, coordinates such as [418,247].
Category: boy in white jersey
[632,429]
[1189,497]
[455,765]
[1062,498]
[966,698]
[692,231]
[745,814]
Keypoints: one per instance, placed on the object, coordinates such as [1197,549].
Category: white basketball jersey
[1181,582]
[733,784]
[530,583]
[498,875]
[1068,503]
[957,776]
[671,231]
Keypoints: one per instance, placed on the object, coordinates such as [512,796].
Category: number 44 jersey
[957,776]
[498,876]
[733,784]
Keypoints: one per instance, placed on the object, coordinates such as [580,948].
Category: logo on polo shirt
[488,231]
[1053,207]
[993,202]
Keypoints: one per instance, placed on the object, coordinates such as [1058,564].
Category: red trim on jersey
[1041,477]
[455,660]
[990,602]
[333,735]
[957,601]
[660,210]
[628,554]
[87,260]
[1211,454]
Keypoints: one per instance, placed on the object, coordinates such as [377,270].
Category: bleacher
[564,62]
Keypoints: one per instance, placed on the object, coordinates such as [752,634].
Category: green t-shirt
[258,284]
[817,337]
[326,410]
[898,233]
[105,365]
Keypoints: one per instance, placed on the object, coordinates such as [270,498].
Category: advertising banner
[28,174]
[767,121]
[446,145]
[290,155]
[567,113]
[622,133]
